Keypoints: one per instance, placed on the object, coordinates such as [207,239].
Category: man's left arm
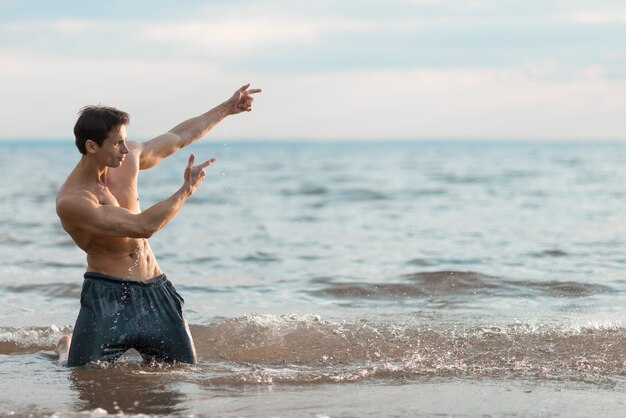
[191,130]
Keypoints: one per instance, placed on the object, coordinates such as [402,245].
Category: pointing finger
[253,91]
[207,163]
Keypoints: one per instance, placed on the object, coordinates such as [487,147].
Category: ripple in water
[455,283]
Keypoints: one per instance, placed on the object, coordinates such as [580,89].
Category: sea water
[343,279]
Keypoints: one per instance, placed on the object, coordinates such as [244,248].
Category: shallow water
[354,279]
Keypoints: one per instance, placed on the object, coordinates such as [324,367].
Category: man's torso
[123,257]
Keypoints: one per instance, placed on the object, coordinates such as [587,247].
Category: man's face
[114,149]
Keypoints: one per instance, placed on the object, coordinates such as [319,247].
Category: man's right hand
[195,174]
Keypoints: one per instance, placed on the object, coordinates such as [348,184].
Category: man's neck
[89,170]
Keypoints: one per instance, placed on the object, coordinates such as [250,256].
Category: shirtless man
[126,300]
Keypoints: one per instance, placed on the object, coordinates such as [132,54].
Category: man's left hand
[242,100]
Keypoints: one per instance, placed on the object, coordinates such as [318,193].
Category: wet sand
[164,392]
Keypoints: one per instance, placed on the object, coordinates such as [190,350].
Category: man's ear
[91,146]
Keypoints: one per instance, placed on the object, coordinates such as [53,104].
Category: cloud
[593,17]
[241,36]
[73,26]
[330,70]
[459,103]
[63,26]
[223,37]
[522,103]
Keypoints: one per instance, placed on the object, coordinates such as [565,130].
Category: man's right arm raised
[84,212]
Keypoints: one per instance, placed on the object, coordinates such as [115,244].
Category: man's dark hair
[95,123]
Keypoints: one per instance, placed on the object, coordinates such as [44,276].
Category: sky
[330,69]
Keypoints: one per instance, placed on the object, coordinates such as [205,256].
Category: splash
[293,348]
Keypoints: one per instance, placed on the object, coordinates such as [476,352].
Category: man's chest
[121,192]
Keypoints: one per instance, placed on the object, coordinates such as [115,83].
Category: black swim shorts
[116,315]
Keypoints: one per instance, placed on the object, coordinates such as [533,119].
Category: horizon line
[9,140]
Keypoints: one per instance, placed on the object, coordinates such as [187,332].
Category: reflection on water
[123,387]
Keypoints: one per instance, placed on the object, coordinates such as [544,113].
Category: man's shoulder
[134,145]
[135,148]
[74,207]
[73,196]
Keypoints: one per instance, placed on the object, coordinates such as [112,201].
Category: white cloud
[240,36]
[422,1]
[593,17]
[224,37]
[73,26]
[178,69]
[48,27]
[470,4]
[54,88]
[460,103]
[410,103]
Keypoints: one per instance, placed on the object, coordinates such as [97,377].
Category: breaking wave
[292,348]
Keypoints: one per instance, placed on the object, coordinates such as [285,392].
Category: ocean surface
[343,279]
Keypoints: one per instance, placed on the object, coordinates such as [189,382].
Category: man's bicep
[115,221]
[157,148]
[101,220]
